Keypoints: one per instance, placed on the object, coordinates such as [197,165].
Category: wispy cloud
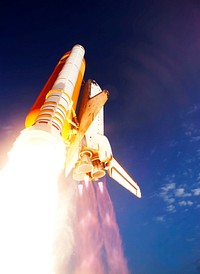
[169,200]
[195,139]
[171,208]
[181,189]
[191,126]
[166,190]
[193,109]
[177,197]
[166,194]
[185,203]
[196,191]
[168,187]
[190,239]
[160,219]
[180,192]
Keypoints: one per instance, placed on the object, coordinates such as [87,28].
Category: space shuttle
[73,110]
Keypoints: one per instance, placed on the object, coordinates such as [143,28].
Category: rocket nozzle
[98,170]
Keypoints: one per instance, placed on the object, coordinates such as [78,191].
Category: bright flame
[100,184]
[47,225]
[28,200]
[80,189]
[86,180]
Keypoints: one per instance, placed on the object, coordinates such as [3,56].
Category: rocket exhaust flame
[116,262]
[80,189]
[97,240]
[100,184]
[28,200]
[46,228]
[66,217]
[86,180]
[88,240]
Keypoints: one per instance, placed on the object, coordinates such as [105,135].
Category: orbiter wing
[116,171]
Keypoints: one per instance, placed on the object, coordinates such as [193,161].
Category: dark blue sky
[147,54]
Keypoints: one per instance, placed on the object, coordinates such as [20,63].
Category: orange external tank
[66,79]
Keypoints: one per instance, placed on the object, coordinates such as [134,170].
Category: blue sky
[146,53]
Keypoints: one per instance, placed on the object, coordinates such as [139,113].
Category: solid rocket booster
[54,109]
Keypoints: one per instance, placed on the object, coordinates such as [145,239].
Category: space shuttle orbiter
[88,151]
